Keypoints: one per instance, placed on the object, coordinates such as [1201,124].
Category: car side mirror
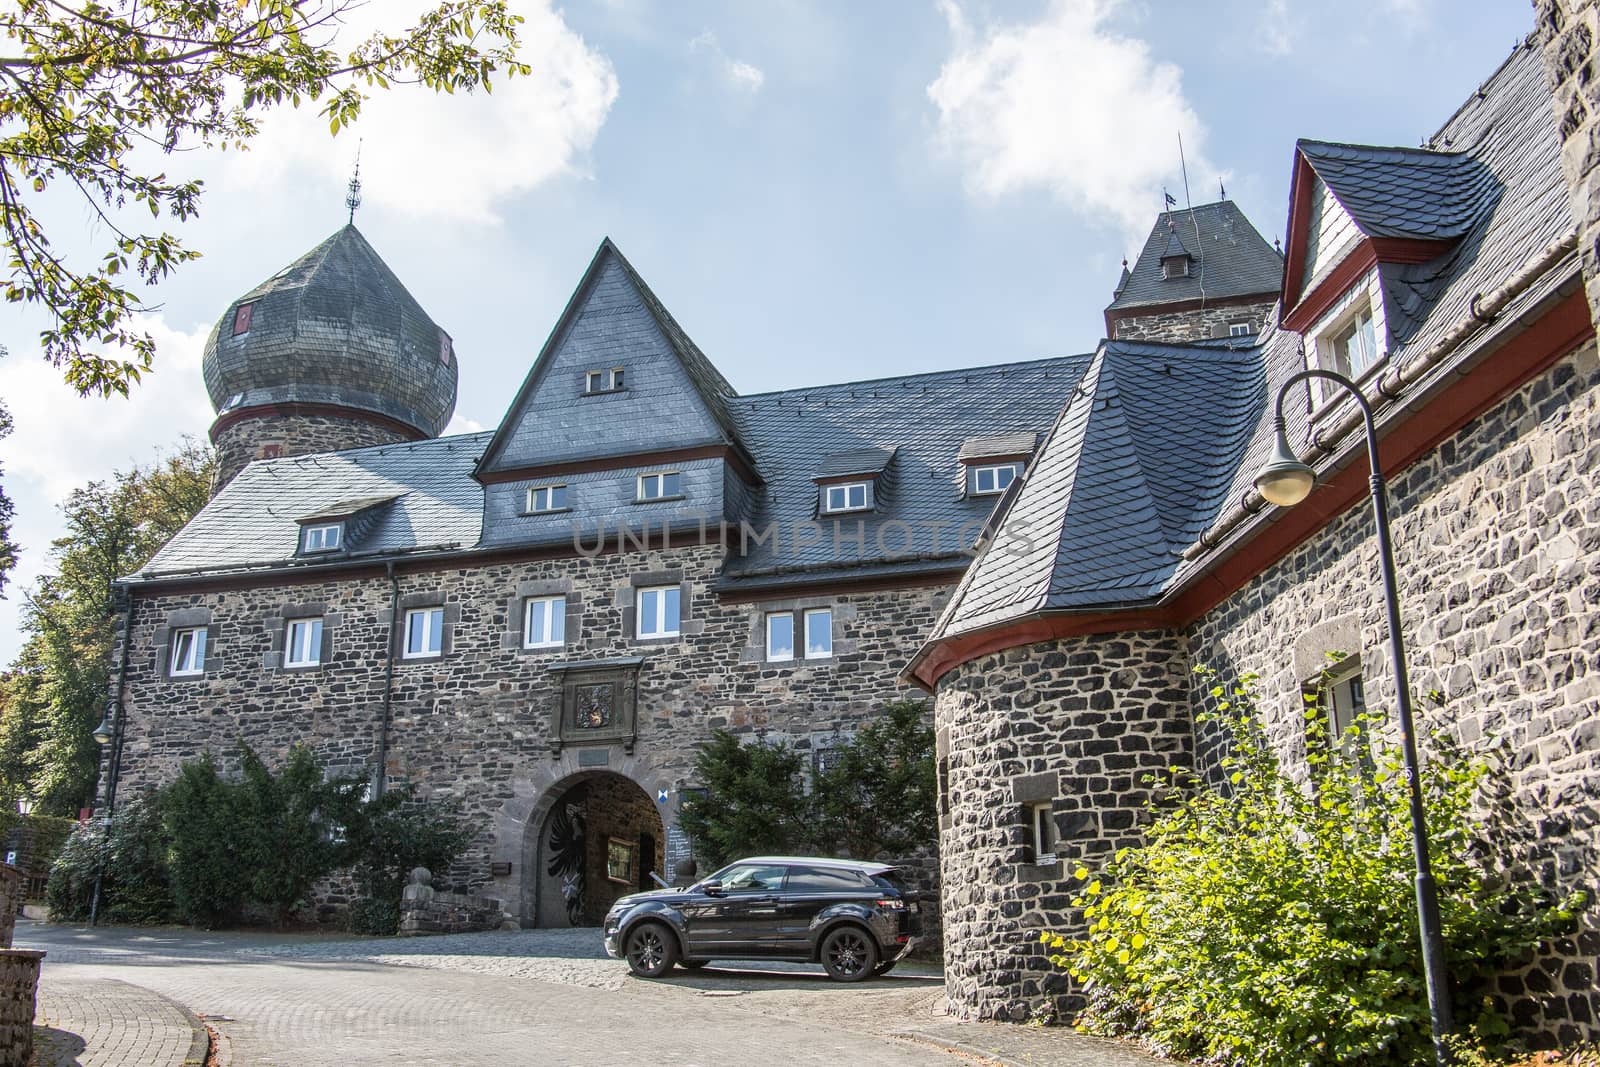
[711,889]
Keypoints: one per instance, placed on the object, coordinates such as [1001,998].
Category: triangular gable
[673,397]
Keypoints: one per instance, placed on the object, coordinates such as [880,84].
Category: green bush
[132,855]
[387,837]
[754,800]
[1271,921]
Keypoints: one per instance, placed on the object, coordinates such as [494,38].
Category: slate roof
[1006,444]
[856,461]
[334,327]
[255,520]
[1230,259]
[1404,192]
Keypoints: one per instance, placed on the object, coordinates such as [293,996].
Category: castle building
[547,619]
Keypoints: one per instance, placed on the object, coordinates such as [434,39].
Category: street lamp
[24,805]
[109,732]
[1285,481]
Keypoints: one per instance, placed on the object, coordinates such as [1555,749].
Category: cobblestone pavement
[546,997]
[101,1022]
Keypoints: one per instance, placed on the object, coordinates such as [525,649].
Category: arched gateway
[597,837]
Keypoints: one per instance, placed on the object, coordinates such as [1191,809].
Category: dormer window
[1239,329]
[1353,346]
[446,348]
[1347,339]
[992,479]
[241,318]
[1175,267]
[608,380]
[323,537]
[667,485]
[846,496]
[543,498]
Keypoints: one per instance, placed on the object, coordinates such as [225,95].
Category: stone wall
[19,984]
[1192,325]
[618,808]
[476,723]
[1570,32]
[1497,543]
[269,436]
[1080,723]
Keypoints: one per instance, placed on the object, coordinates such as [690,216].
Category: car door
[742,919]
[808,892]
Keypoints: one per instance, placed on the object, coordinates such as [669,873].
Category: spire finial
[352,198]
[1222,190]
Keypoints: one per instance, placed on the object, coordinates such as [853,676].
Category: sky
[818,191]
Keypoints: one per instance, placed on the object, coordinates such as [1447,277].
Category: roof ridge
[1481,91]
[988,367]
[426,442]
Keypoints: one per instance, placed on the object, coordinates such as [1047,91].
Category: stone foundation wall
[19,984]
[476,722]
[11,894]
[1193,325]
[1078,723]
[273,435]
[1497,544]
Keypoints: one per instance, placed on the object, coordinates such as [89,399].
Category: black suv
[852,917]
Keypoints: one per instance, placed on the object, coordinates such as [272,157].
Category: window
[188,652]
[302,646]
[750,877]
[825,880]
[1239,329]
[850,496]
[602,381]
[544,622]
[424,633]
[1040,822]
[993,479]
[1351,347]
[819,633]
[324,538]
[658,611]
[241,318]
[1176,267]
[943,774]
[663,486]
[780,636]
[1344,699]
[547,498]
[444,348]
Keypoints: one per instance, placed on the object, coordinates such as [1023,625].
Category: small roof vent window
[241,318]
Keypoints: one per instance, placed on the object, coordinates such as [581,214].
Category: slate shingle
[1230,259]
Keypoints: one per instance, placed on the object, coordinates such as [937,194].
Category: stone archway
[598,837]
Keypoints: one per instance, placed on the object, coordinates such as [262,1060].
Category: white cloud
[450,156]
[738,74]
[1067,105]
[459,424]
[1275,36]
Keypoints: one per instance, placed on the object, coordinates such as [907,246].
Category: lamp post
[109,732]
[1285,481]
[24,805]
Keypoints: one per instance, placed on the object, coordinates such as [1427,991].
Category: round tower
[329,353]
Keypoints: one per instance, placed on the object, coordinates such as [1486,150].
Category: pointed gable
[670,396]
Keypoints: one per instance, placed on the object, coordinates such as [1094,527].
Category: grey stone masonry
[1079,725]
[274,434]
[1570,32]
[1497,542]
[1194,325]
[475,723]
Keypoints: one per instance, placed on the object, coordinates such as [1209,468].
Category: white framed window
[1040,821]
[992,479]
[1352,344]
[780,636]
[606,380]
[819,633]
[1239,329]
[302,644]
[324,537]
[188,652]
[544,622]
[657,611]
[846,496]
[660,486]
[547,498]
[424,633]
[1344,701]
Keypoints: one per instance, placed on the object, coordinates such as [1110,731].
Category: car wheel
[652,950]
[848,954]
[883,968]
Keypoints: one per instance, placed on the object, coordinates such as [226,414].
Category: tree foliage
[8,547]
[387,838]
[55,692]
[875,799]
[1271,920]
[93,93]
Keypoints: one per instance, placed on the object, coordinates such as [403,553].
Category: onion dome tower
[329,353]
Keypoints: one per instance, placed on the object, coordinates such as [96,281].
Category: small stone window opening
[944,784]
[658,611]
[324,537]
[1342,696]
[1239,329]
[666,485]
[780,637]
[302,645]
[1039,823]
[188,653]
[424,633]
[846,496]
[993,479]
[819,633]
[543,498]
[241,318]
[544,622]
[1175,267]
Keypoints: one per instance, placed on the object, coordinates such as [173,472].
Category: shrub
[134,888]
[390,835]
[1272,921]
[754,800]
[206,861]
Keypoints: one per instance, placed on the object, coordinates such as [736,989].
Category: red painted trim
[658,458]
[1366,255]
[1302,179]
[261,411]
[1408,249]
[1556,334]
